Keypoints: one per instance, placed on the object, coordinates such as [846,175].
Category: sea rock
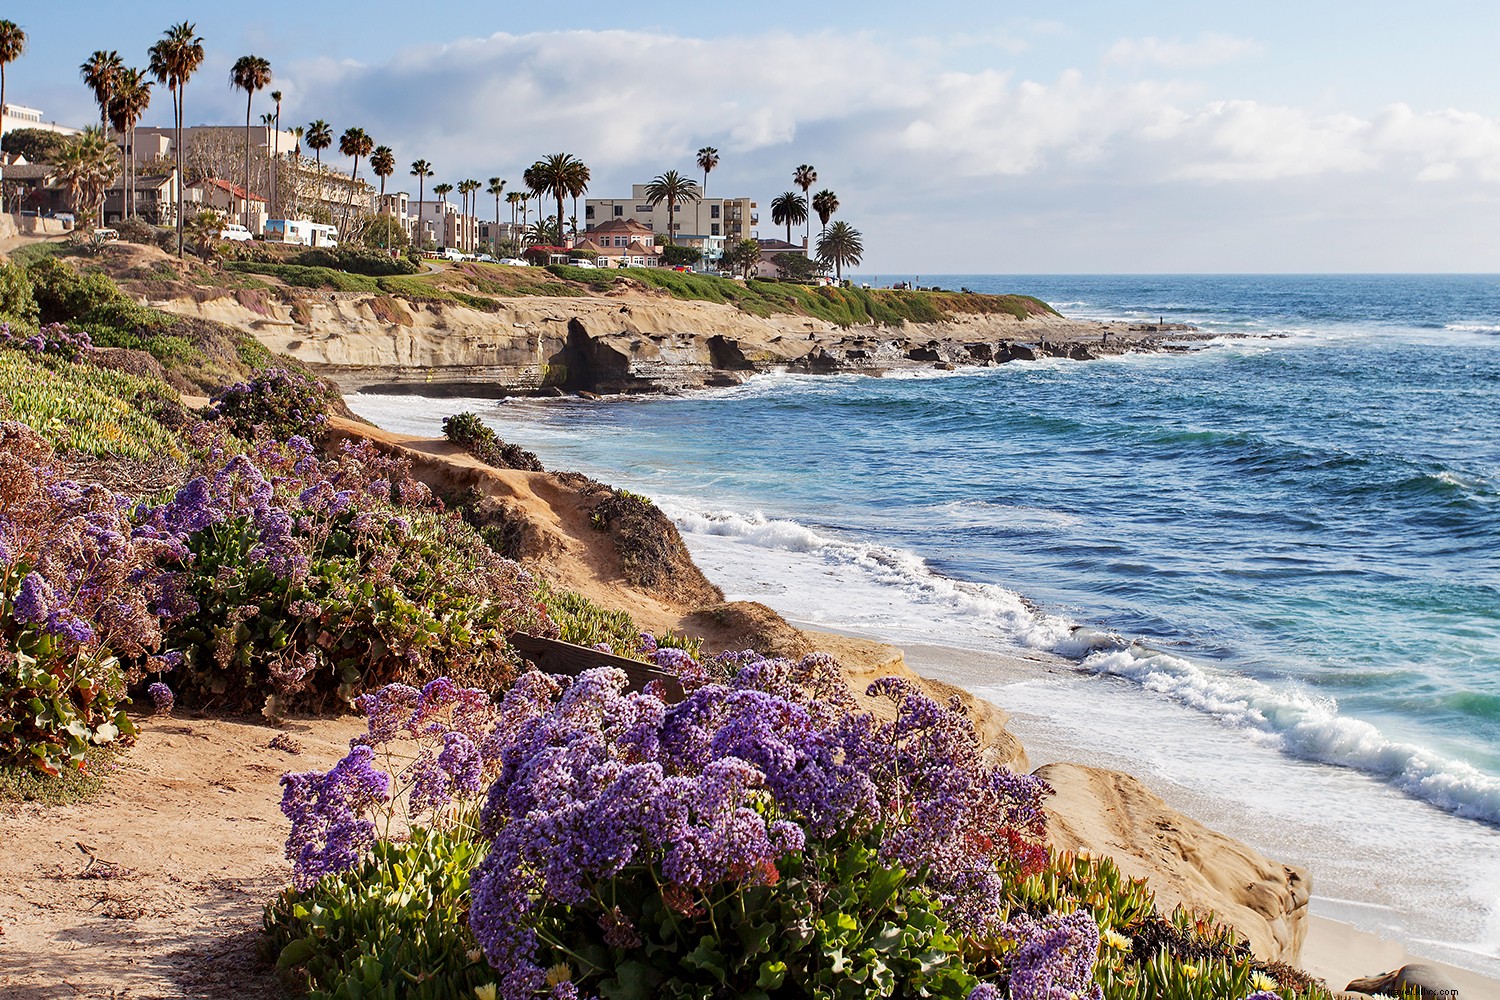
[1427,981]
[1111,813]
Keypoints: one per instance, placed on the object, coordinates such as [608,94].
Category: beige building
[443,224]
[228,199]
[709,224]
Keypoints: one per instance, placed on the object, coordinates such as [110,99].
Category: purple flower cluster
[1054,957]
[54,338]
[161,697]
[716,789]
[276,403]
[330,828]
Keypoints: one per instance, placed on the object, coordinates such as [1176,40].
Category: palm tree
[442,190]
[383,162]
[708,158]
[204,229]
[671,187]
[354,142]
[825,203]
[789,209]
[85,166]
[469,189]
[274,204]
[100,72]
[174,60]
[249,73]
[421,170]
[516,200]
[804,177]
[532,178]
[12,47]
[319,138]
[840,244]
[561,174]
[131,98]
[497,188]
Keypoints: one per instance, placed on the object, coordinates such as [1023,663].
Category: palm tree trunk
[2,123]
[249,99]
[417,229]
[179,98]
[495,236]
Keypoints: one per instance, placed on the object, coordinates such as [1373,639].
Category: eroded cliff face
[612,344]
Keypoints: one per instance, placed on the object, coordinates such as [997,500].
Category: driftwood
[556,657]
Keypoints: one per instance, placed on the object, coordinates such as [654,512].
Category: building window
[715,229]
[713,211]
[619,210]
[643,209]
[588,211]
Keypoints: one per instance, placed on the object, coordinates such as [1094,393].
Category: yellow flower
[486,992]
[1190,971]
[1261,981]
[559,973]
[1114,939]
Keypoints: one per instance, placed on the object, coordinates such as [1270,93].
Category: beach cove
[787,560]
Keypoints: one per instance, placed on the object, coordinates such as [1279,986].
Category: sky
[959,137]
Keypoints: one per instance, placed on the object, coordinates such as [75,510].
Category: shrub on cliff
[300,580]
[75,607]
[276,404]
[471,434]
[356,260]
[17,303]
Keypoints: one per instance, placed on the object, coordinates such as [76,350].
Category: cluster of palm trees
[791,209]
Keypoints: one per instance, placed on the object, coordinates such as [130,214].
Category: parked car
[485,258]
[452,253]
[514,262]
[235,233]
[580,262]
[681,267]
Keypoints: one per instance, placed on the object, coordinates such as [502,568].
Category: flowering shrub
[75,588]
[54,338]
[300,579]
[276,403]
[472,435]
[605,796]
[391,928]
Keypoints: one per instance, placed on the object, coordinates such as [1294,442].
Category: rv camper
[301,232]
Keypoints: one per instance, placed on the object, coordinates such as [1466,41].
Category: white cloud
[889,125]
[1175,54]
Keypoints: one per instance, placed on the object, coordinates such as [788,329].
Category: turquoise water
[1291,536]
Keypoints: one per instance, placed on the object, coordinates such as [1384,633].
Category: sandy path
[187,837]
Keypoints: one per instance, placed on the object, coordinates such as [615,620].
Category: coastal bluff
[1104,812]
[634,340]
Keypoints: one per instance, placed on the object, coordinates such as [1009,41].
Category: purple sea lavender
[1055,956]
[162,697]
[329,831]
[34,602]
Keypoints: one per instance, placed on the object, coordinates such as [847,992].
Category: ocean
[1272,563]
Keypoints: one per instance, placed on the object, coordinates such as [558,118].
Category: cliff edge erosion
[632,339]
[549,519]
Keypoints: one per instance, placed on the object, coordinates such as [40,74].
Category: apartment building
[709,224]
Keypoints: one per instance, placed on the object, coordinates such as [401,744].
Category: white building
[16,116]
[709,224]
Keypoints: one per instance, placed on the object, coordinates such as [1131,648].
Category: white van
[582,262]
[235,233]
[453,253]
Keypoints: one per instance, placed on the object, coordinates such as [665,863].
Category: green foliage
[303,276]
[90,301]
[835,923]
[72,787]
[475,437]
[55,702]
[395,928]
[78,407]
[37,145]
[17,303]
[276,404]
[585,623]
[675,256]
[355,260]
[795,267]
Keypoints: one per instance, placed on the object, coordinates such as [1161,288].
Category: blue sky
[959,137]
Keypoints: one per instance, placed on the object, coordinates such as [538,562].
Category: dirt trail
[183,848]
